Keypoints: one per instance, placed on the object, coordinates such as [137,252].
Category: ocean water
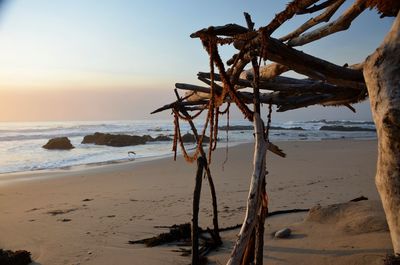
[21,143]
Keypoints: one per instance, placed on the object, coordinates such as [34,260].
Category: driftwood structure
[248,84]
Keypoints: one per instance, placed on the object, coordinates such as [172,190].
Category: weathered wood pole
[196,205]
[248,255]
[259,247]
[217,237]
[254,197]
[382,76]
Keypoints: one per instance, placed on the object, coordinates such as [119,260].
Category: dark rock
[189,138]
[125,140]
[163,138]
[345,128]
[116,140]
[250,128]
[62,143]
[237,128]
[90,139]
[157,129]
[286,129]
[342,122]
[19,257]
[148,138]
[160,138]
[283,233]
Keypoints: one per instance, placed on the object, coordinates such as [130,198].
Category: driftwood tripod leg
[216,237]
[196,203]
[253,200]
[248,256]
[259,249]
[209,178]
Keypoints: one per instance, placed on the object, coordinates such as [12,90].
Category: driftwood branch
[324,17]
[226,30]
[342,23]
[180,104]
[289,93]
[305,64]
[313,67]
[292,9]
[283,101]
[279,83]
[316,7]
[266,72]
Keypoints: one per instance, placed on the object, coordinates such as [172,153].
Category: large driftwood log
[382,75]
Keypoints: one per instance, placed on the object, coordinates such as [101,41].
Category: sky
[119,60]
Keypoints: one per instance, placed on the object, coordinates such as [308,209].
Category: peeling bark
[382,75]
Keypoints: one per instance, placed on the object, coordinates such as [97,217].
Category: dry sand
[87,215]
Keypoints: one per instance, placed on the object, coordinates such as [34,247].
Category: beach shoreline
[87,215]
[22,143]
[28,175]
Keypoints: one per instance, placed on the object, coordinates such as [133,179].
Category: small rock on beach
[283,233]
[61,143]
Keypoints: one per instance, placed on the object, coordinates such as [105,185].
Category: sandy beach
[87,215]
